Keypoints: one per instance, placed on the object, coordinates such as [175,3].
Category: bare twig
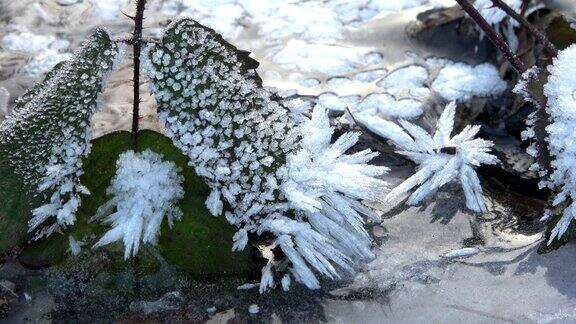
[535,86]
[496,38]
[524,22]
[137,45]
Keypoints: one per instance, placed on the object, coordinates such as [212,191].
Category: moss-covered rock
[14,209]
[200,243]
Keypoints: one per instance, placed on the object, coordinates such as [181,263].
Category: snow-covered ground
[431,265]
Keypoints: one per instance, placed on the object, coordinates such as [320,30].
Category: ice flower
[561,91]
[145,189]
[441,158]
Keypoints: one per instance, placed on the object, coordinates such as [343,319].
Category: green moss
[14,209]
[200,243]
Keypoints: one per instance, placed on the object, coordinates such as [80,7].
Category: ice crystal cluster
[461,82]
[145,190]
[499,19]
[270,172]
[440,157]
[561,94]
[47,135]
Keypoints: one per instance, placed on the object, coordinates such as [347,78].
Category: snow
[108,9]
[440,158]
[461,82]
[408,79]
[316,57]
[75,246]
[27,42]
[387,106]
[214,203]
[45,61]
[495,15]
[144,191]
[561,93]
[500,20]
[335,103]
[253,309]
[461,253]
[46,50]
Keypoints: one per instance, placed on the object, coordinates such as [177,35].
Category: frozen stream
[436,263]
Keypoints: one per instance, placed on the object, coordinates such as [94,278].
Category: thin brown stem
[524,22]
[495,37]
[137,45]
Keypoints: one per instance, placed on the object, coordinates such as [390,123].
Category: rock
[169,302]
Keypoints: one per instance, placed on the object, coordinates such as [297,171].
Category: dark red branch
[495,37]
[137,45]
[524,22]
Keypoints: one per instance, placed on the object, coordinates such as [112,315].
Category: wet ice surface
[352,55]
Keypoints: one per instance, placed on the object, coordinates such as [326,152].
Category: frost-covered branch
[495,37]
[524,22]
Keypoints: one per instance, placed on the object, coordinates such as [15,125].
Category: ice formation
[385,105]
[144,191]
[278,174]
[314,21]
[440,158]
[408,79]
[108,9]
[324,58]
[27,42]
[461,82]
[561,93]
[46,50]
[47,134]
[499,19]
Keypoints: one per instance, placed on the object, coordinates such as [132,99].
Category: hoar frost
[277,176]
[500,20]
[144,191]
[440,157]
[48,133]
[561,93]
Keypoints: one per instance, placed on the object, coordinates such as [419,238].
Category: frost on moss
[48,133]
[269,173]
[144,191]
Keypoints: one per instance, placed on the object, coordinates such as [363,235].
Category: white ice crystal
[45,50]
[27,42]
[276,175]
[440,158]
[561,93]
[108,9]
[325,185]
[385,105]
[144,191]
[329,59]
[499,19]
[461,82]
[495,15]
[406,80]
